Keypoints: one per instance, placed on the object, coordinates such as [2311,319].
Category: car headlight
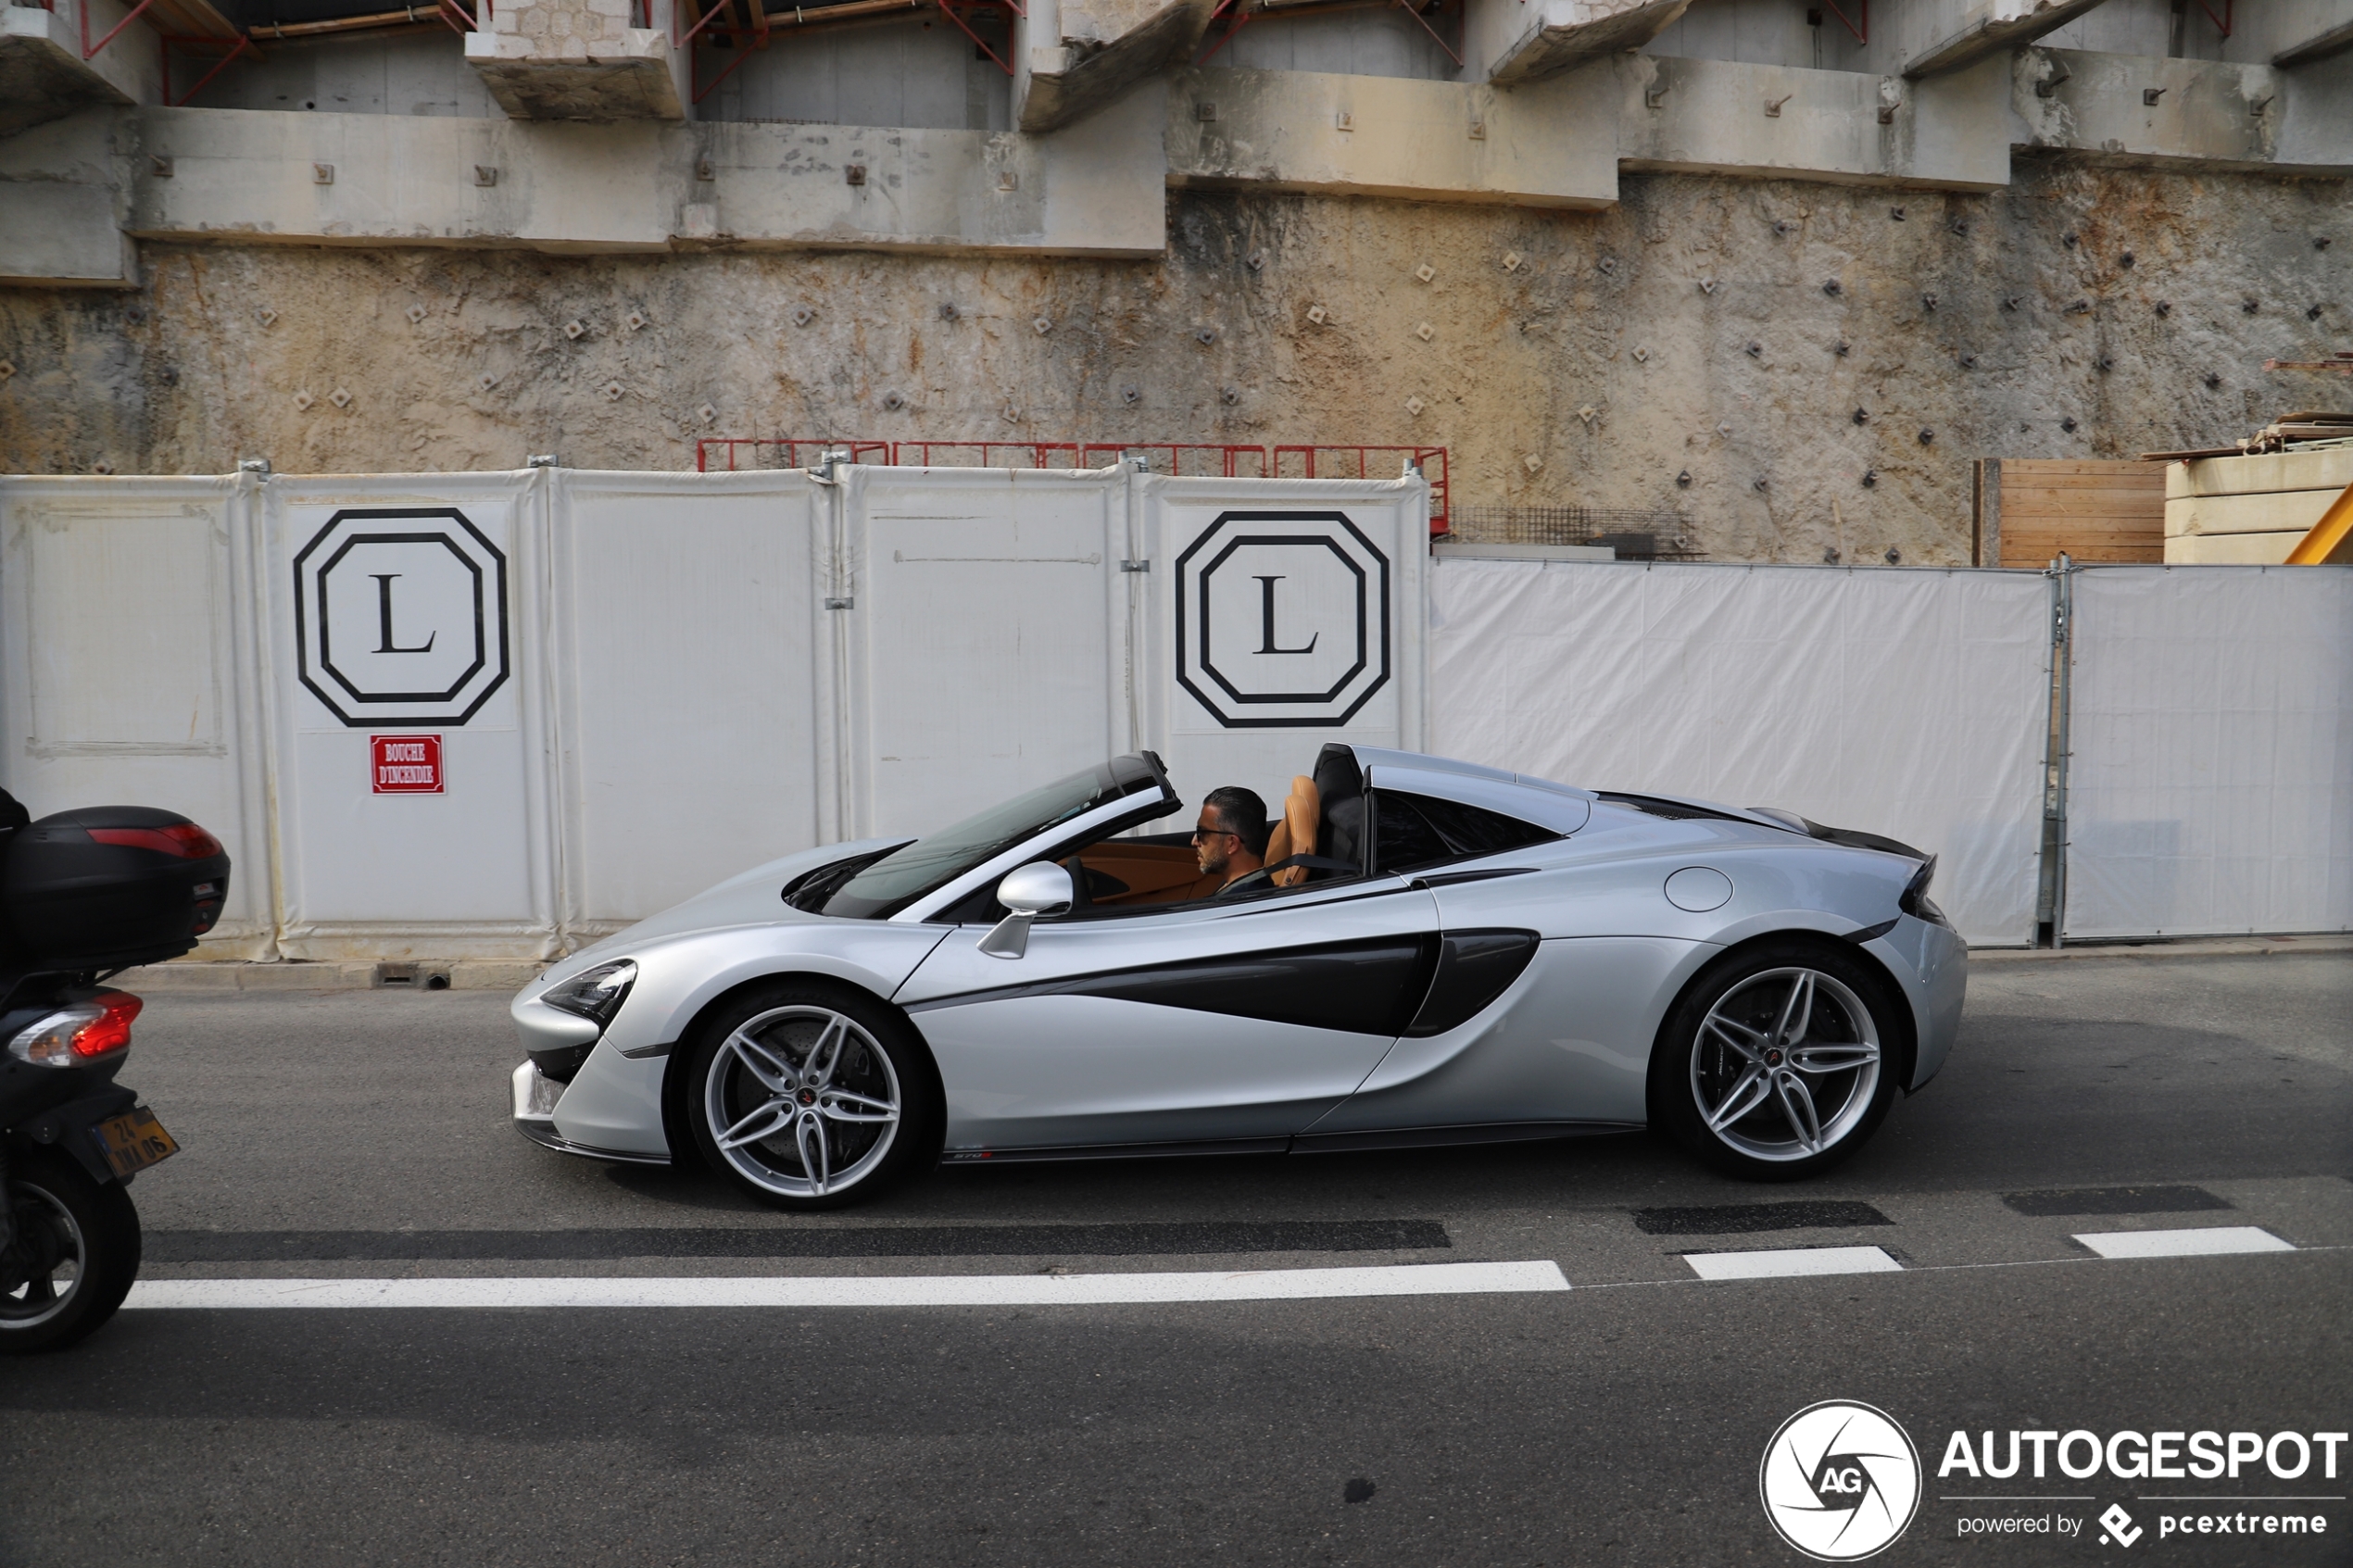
[594,994]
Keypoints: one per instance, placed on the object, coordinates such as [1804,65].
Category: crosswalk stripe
[916,1290]
[2204,1241]
[1791,1261]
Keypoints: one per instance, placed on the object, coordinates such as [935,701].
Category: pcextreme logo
[1840,1480]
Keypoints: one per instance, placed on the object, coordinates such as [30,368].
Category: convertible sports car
[1443,953]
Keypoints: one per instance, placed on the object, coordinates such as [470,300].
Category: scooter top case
[106,886]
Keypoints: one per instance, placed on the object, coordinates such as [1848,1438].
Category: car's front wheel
[1779,1061]
[812,1096]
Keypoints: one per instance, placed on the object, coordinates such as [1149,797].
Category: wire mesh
[1635,534]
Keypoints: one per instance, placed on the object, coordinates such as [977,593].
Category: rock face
[1822,369]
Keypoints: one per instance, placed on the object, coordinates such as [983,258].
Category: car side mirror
[1039,888]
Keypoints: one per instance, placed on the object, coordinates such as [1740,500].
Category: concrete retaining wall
[1642,314]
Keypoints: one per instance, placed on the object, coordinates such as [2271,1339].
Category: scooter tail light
[79,1034]
[111,1031]
[184,840]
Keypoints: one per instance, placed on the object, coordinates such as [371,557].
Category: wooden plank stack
[2030,511]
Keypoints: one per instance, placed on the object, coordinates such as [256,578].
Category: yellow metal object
[2330,541]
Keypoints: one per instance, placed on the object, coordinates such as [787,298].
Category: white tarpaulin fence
[1908,703]
[127,668]
[2211,785]
[493,715]
[593,693]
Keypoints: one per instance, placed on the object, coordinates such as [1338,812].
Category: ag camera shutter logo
[1840,1480]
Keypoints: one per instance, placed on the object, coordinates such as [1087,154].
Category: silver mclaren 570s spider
[1435,953]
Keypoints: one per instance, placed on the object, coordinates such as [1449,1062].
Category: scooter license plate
[135,1140]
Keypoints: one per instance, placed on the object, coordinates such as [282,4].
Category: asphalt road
[363,1136]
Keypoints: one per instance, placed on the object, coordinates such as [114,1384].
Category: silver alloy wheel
[1785,1064]
[50,1290]
[802,1101]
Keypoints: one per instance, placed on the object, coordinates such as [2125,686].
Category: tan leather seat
[1155,873]
[1295,835]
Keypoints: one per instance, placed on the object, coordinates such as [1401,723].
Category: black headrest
[1339,830]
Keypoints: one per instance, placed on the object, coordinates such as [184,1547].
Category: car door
[1524,1034]
[1232,1022]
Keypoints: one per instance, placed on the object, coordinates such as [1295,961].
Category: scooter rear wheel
[71,1257]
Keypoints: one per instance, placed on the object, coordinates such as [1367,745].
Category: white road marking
[1792,1261]
[2203,1242]
[903,1290]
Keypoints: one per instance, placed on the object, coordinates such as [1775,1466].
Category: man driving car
[1229,840]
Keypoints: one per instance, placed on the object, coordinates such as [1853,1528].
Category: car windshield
[931,862]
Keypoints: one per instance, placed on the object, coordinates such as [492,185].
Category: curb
[464,974]
[2194,947]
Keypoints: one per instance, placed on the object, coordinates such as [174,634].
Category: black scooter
[84,895]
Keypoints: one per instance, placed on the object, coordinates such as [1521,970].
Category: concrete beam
[1079,56]
[42,75]
[2209,114]
[1391,136]
[63,192]
[2290,33]
[77,184]
[1101,194]
[376,179]
[2000,26]
[1718,117]
[1512,42]
[2316,116]
[580,59]
[2326,45]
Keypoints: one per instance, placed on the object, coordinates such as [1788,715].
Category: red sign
[405,764]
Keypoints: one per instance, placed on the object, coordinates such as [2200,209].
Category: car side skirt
[1113,1152]
[1439,1137]
[1303,1143]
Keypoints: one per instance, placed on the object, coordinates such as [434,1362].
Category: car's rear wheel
[812,1096]
[1779,1061]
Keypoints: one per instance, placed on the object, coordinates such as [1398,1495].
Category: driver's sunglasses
[1200,833]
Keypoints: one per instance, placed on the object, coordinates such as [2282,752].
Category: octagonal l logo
[400,616]
[1282,619]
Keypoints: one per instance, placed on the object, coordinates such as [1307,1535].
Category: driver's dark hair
[1243,813]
